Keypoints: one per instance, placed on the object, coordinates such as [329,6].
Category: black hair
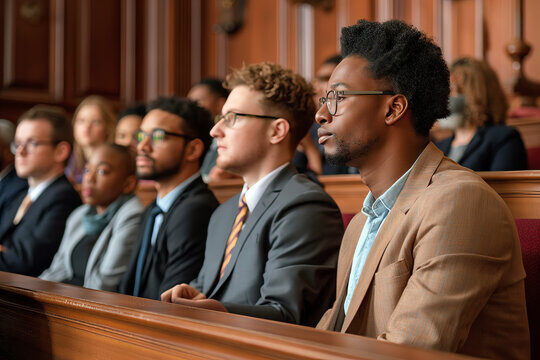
[334,59]
[138,109]
[411,61]
[197,120]
[128,158]
[215,86]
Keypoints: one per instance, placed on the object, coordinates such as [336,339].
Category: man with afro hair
[433,260]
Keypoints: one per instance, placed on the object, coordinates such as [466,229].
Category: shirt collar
[256,191]
[166,202]
[37,190]
[383,204]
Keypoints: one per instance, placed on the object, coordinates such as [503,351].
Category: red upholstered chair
[529,237]
[347,219]
[533,158]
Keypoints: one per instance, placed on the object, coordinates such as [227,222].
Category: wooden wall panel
[98,48]
[532,36]
[256,41]
[132,50]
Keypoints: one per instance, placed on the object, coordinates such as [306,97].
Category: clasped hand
[184,294]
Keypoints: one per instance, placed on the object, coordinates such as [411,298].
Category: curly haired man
[271,250]
[433,260]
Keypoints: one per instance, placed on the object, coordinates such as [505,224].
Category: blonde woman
[94,124]
[478,109]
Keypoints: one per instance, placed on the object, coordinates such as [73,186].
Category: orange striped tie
[235,233]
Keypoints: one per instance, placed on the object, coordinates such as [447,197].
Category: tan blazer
[445,270]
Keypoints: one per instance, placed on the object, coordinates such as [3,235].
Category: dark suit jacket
[10,186]
[283,266]
[177,255]
[493,148]
[32,243]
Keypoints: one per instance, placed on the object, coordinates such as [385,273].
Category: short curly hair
[411,61]
[197,120]
[286,94]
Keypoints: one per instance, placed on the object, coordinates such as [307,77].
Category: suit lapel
[418,180]
[160,238]
[350,241]
[269,195]
[476,141]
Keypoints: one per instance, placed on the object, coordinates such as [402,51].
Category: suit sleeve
[300,272]
[459,259]
[186,240]
[33,246]
[114,263]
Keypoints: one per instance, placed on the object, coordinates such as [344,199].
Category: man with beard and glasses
[433,260]
[171,145]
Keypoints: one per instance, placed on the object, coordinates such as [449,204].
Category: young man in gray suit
[271,250]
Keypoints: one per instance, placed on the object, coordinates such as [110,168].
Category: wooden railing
[46,320]
[519,189]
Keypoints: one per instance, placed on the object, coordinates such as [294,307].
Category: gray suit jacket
[283,266]
[111,253]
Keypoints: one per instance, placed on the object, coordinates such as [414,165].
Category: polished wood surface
[519,189]
[46,320]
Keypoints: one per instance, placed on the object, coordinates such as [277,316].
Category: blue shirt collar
[166,202]
[379,207]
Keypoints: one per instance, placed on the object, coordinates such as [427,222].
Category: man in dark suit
[32,226]
[10,184]
[271,250]
[172,141]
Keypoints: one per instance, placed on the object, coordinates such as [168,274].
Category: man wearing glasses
[172,142]
[433,260]
[271,250]
[32,225]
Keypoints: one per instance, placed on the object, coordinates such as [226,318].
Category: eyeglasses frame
[220,117]
[165,132]
[341,93]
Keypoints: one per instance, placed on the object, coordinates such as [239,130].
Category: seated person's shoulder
[501,133]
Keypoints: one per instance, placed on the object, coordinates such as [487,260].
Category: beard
[161,174]
[344,155]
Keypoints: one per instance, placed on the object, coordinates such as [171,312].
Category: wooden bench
[519,189]
[46,320]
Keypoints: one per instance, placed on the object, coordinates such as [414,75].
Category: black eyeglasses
[333,96]
[229,119]
[157,136]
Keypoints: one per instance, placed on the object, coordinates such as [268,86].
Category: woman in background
[129,122]
[100,235]
[478,107]
[94,124]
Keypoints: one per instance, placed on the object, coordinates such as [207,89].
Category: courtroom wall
[59,51]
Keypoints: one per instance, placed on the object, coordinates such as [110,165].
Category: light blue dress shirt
[376,211]
[166,202]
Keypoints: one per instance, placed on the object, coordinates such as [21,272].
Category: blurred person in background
[94,124]
[100,235]
[33,224]
[10,184]
[129,122]
[478,107]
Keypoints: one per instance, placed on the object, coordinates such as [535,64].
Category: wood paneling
[46,320]
[132,50]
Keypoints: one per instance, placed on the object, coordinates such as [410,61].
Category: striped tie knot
[235,233]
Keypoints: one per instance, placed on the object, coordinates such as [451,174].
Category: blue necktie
[147,238]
